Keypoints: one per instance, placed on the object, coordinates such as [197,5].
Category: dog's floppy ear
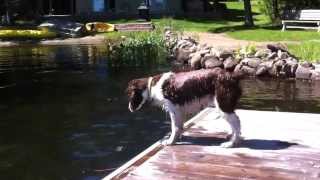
[137,84]
[131,86]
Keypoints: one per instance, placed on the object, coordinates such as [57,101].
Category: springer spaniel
[189,92]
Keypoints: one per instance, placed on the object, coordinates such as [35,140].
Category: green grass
[263,30]
[309,50]
[262,34]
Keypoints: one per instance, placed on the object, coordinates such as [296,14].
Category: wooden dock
[276,145]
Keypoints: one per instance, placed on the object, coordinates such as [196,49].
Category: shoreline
[87,40]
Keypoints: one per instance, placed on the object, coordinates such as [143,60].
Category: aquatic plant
[307,51]
[246,51]
[136,49]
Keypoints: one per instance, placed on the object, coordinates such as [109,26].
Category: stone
[274,71]
[317,67]
[183,55]
[244,69]
[272,55]
[209,57]
[277,68]
[248,70]
[238,68]
[230,63]
[276,47]
[267,64]
[195,61]
[262,53]
[262,71]
[303,73]
[221,53]
[204,47]
[186,43]
[288,70]
[280,63]
[315,75]
[212,63]
[307,65]
[204,51]
[193,49]
[282,55]
[192,54]
[292,59]
[251,62]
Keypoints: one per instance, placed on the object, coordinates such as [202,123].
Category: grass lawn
[262,34]
[232,25]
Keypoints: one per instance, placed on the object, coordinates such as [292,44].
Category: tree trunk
[248,20]
[275,10]
[7,15]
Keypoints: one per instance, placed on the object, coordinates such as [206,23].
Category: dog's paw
[228,144]
[167,142]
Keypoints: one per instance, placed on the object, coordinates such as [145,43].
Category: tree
[248,19]
[275,10]
[17,8]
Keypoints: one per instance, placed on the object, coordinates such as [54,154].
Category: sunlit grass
[233,25]
[273,35]
[309,50]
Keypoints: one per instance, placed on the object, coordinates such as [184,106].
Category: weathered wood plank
[275,146]
[140,158]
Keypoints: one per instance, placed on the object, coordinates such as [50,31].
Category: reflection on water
[63,113]
[281,95]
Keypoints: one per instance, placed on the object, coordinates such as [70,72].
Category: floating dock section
[276,145]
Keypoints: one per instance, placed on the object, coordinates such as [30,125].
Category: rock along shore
[274,60]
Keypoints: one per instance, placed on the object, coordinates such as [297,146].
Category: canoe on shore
[99,27]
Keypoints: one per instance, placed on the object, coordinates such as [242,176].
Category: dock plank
[276,145]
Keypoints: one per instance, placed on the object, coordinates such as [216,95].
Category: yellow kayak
[99,27]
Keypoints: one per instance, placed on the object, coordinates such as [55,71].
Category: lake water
[63,112]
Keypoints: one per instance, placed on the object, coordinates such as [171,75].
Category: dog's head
[137,93]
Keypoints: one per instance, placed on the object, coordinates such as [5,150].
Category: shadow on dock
[256,144]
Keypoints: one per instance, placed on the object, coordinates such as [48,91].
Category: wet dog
[189,92]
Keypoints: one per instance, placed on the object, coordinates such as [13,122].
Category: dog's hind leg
[228,93]
[234,123]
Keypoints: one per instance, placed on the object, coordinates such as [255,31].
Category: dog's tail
[228,90]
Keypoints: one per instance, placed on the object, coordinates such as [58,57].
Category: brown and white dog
[189,92]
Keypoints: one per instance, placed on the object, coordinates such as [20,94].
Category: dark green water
[63,112]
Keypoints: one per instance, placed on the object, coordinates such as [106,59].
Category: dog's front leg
[176,127]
